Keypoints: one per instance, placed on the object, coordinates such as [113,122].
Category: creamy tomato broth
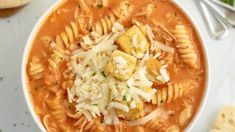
[116,65]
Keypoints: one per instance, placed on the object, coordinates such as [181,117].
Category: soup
[120,65]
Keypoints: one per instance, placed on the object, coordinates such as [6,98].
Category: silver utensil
[225,14]
[217,28]
[222,4]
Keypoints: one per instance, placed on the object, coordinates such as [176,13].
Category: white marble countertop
[14,31]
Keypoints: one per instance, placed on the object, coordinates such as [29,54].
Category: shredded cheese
[164,47]
[117,27]
[156,113]
[119,62]
[95,92]
[118,106]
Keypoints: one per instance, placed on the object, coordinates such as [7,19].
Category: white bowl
[38,26]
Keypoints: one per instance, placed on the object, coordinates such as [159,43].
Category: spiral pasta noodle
[58,54]
[185,46]
[123,10]
[83,124]
[36,69]
[104,25]
[120,13]
[69,35]
[67,39]
[58,111]
[173,128]
[171,93]
[50,126]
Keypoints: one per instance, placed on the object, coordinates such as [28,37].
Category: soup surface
[116,65]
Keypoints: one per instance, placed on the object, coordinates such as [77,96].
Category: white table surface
[14,31]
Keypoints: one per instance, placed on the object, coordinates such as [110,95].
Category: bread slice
[12,3]
[225,120]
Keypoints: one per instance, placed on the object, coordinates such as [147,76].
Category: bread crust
[4,4]
[225,120]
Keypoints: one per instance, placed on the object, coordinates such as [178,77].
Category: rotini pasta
[36,68]
[105,24]
[58,111]
[58,54]
[171,92]
[120,13]
[82,124]
[185,115]
[70,34]
[185,46]
[50,126]
[173,128]
[123,10]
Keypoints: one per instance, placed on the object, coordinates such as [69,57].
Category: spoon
[225,14]
[217,28]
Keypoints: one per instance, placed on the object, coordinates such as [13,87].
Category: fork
[218,16]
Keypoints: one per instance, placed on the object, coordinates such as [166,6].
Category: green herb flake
[124,98]
[99,5]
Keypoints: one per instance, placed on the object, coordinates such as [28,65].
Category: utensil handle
[217,29]
[228,16]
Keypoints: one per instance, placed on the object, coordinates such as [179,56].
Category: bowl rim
[54,6]
[207,65]
[24,63]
